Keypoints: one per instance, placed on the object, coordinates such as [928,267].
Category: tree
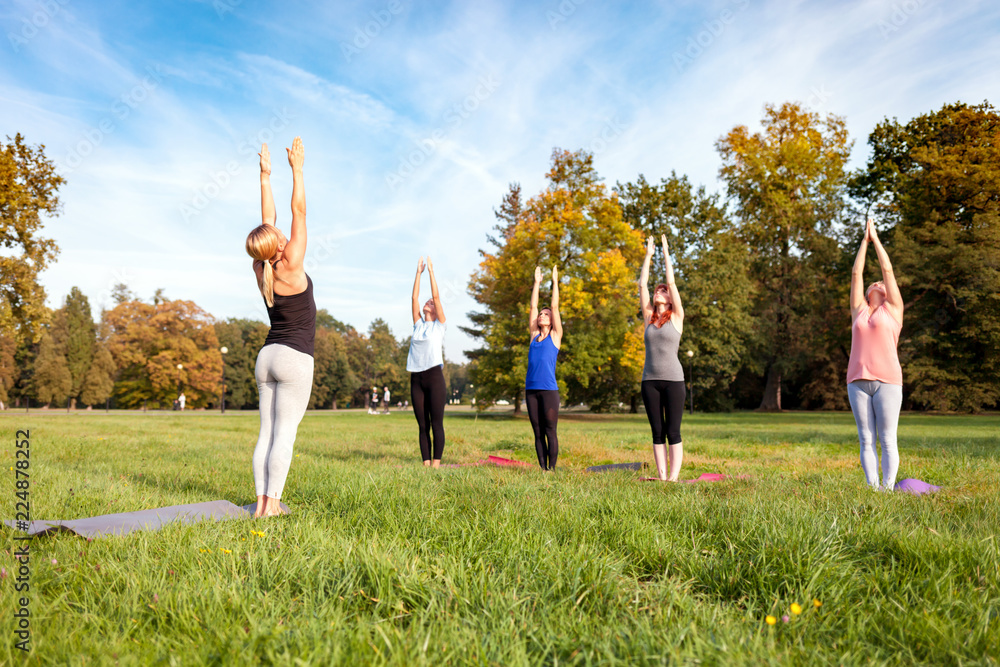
[935,183]
[242,339]
[8,369]
[147,343]
[788,186]
[99,382]
[575,224]
[710,268]
[28,188]
[75,333]
[333,377]
[53,381]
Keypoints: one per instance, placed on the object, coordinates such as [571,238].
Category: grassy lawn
[385,562]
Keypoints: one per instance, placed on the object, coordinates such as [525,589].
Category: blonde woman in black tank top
[284,367]
[663,389]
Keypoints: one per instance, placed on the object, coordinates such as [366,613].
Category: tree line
[145,354]
[763,268]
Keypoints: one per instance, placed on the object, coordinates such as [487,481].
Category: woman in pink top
[874,377]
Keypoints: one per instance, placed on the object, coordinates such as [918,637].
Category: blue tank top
[542,364]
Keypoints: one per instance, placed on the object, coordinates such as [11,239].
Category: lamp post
[690,354]
[180,367]
[222,402]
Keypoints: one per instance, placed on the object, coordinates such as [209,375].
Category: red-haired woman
[284,369]
[663,390]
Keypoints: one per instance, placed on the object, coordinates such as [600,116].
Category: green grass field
[386,562]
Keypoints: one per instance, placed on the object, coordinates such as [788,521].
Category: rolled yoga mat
[128,522]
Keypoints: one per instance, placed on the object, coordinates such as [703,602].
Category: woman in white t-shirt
[425,362]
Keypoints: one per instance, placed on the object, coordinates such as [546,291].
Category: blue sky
[416,117]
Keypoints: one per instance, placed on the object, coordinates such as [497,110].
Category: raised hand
[538,274]
[663,240]
[420,265]
[650,248]
[296,154]
[265,159]
[430,264]
[872,233]
[555,274]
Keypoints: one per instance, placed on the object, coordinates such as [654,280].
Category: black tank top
[293,320]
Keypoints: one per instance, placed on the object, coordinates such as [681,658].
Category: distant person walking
[181,401]
[425,362]
[385,400]
[874,376]
[663,389]
[284,369]
[541,391]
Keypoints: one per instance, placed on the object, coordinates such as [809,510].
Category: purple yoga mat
[127,522]
[916,486]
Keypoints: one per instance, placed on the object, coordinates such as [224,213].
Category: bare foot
[272,507]
[259,510]
[436,463]
[427,464]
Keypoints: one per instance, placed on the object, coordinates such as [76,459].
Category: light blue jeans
[876,410]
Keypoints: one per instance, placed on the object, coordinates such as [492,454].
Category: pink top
[873,348]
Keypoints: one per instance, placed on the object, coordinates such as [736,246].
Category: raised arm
[557,329]
[893,298]
[415,304]
[644,303]
[267,215]
[675,296]
[857,278]
[434,292]
[295,250]
[533,315]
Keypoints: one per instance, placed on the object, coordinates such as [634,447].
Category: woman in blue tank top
[541,393]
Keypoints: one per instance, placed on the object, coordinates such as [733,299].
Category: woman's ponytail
[262,244]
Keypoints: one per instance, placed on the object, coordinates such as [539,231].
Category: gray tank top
[661,353]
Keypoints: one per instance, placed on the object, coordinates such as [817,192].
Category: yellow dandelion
[771,620]
[817,603]
[796,609]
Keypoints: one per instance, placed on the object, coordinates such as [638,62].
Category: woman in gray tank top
[663,389]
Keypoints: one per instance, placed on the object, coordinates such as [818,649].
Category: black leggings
[543,411]
[428,394]
[664,401]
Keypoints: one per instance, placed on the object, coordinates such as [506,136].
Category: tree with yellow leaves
[576,224]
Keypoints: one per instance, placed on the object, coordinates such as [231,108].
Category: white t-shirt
[426,346]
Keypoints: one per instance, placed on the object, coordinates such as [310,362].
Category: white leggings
[284,380]
[876,410]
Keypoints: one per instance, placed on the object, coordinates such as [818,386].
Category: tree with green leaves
[934,184]
[788,186]
[577,225]
[710,266]
[52,381]
[29,188]
[99,382]
[75,336]
[242,339]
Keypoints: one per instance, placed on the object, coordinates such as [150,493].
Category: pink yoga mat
[706,477]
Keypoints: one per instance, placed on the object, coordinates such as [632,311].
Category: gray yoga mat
[617,466]
[128,522]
